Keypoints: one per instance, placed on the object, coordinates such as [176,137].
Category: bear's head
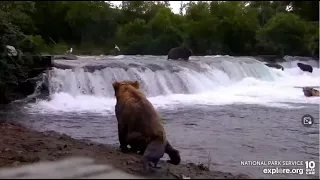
[300,65]
[121,86]
[307,91]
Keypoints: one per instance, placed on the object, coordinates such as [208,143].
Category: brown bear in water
[305,67]
[139,124]
[308,92]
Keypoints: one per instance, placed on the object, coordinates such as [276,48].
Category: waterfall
[156,75]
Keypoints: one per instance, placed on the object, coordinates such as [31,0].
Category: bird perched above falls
[69,51]
[115,46]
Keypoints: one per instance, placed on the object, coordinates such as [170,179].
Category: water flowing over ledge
[156,75]
[85,85]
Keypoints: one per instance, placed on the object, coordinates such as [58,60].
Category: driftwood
[70,168]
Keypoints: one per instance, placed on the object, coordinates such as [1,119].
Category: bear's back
[141,114]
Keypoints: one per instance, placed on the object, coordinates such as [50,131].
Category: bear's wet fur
[305,67]
[154,150]
[309,92]
[179,53]
[139,124]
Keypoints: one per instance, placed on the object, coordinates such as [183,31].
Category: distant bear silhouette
[179,53]
[305,67]
[139,124]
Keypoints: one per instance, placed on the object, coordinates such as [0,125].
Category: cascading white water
[189,78]
[219,80]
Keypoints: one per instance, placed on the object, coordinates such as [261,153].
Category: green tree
[132,37]
[286,33]
[216,27]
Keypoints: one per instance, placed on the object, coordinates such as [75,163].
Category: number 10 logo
[310,164]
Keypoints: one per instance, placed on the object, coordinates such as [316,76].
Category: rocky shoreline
[20,146]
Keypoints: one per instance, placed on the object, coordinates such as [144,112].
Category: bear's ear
[115,86]
[136,84]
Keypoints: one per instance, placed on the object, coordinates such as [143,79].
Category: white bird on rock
[117,47]
[69,51]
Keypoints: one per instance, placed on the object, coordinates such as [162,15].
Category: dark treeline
[150,27]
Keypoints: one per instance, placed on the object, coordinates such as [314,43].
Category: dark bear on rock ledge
[139,124]
[179,53]
[305,67]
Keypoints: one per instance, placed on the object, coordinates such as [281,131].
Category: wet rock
[203,167]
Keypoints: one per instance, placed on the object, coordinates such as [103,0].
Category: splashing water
[218,80]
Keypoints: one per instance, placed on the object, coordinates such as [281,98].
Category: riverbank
[20,146]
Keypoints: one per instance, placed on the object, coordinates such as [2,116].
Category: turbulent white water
[218,80]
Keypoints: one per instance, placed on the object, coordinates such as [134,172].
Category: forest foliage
[150,27]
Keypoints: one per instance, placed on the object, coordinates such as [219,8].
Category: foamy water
[279,93]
